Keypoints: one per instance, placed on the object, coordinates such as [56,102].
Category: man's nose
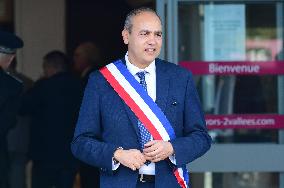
[151,39]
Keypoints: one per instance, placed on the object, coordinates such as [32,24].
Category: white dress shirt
[150,78]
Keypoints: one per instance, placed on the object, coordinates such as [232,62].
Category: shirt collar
[151,69]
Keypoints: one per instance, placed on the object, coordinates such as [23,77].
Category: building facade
[244,107]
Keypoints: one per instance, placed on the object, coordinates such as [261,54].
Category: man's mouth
[150,49]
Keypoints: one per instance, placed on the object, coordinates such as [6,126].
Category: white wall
[41,24]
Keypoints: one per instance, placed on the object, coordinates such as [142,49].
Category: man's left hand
[157,150]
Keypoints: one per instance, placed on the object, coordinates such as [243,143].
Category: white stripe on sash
[139,101]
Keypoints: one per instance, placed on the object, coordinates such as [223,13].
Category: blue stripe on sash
[185,174]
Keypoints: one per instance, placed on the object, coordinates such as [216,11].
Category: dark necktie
[145,136]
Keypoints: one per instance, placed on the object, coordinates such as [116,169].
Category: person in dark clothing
[11,89]
[53,104]
[87,59]
[18,138]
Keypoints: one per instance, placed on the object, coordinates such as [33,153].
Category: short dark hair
[128,20]
[91,51]
[56,59]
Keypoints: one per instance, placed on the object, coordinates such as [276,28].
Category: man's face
[145,39]
[6,60]
[80,61]
[48,70]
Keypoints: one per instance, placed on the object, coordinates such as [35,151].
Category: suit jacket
[106,123]
[18,137]
[10,90]
[53,105]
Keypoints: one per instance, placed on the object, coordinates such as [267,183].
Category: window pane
[256,24]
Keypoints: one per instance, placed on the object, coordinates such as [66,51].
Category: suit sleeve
[87,145]
[9,110]
[195,140]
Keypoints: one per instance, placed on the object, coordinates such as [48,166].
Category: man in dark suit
[53,104]
[10,90]
[110,136]
[18,138]
[86,59]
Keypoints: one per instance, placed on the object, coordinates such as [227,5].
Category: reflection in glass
[234,94]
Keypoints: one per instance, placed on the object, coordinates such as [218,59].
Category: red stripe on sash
[179,179]
[130,102]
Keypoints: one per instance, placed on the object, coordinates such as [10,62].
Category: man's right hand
[132,158]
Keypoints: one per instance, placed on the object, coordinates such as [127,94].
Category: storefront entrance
[244,107]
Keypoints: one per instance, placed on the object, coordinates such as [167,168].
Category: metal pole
[160,8]
[169,32]
[279,14]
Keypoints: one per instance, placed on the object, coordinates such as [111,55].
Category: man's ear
[125,35]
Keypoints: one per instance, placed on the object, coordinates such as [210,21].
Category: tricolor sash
[143,106]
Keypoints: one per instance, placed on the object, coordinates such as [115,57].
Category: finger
[148,158]
[132,167]
[140,160]
[150,143]
[153,153]
[137,165]
[163,156]
[156,158]
[134,152]
[140,157]
[162,148]
[151,148]
[155,144]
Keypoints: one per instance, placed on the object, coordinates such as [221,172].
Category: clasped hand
[154,151]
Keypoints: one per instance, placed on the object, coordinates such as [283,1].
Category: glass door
[234,36]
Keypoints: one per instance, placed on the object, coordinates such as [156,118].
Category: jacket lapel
[162,85]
